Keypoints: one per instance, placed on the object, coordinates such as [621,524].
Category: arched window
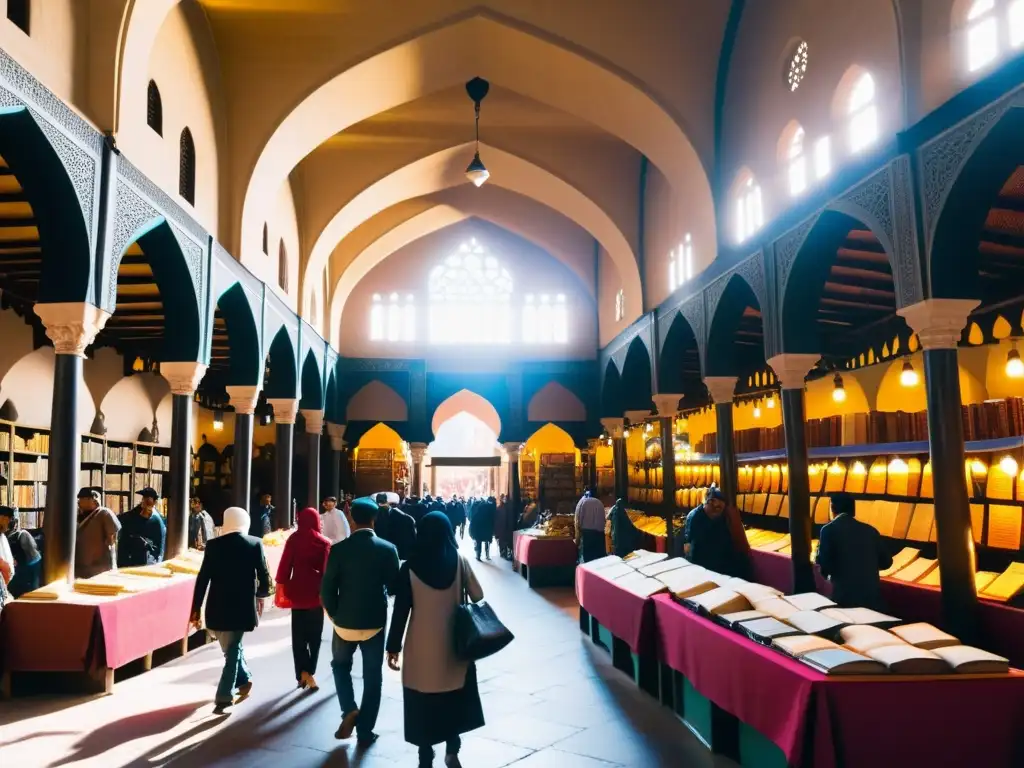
[154,108]
[187,167]
[266,240]
[19,12]
[282,265]
[796,160]
[1015,21]
[680,263]
[620,305]
[982,34]
[470,298]
[862,113]
[392,320]
[545,319]
[749,207]
[822,157]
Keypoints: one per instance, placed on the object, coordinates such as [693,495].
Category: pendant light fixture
[757,409]
[476,171]
[839,393]
[908,376]
[1014,365]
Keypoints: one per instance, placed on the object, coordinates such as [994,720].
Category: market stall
[544,559]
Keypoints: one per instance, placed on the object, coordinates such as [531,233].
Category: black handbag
[478,632]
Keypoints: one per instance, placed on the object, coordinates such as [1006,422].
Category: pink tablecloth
[1002,627]
[544,551]
[626,615]
[828,722]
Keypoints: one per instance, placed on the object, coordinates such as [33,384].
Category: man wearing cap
[96,538]
[333,523]
[143,533]
[708,537]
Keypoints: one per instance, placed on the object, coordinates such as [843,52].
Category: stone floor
[551,700]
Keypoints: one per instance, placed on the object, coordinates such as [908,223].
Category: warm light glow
[1014,365]
[771,402]
[858,468]
[625,432]
[609,441]
[649,428]
[839,393]
[218,421]
[1009,465]
[757,410]
[898,466]
[814,469]
[978,468]
[835,468]
[908,376]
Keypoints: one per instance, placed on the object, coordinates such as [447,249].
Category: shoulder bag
[478,632]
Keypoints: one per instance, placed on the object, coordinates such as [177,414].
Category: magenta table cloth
[626,615]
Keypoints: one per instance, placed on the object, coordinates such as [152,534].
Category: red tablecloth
[1002,627]
[626,615]
[544,551]
[821,721]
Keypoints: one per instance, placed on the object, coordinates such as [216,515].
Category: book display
[374,470]
[558,481]
[528,478]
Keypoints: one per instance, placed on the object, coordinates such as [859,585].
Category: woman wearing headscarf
[441,700]
[481,526]
[626,537]
[299,574]
[235,571]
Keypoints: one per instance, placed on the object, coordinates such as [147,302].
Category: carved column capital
[336,430]
[613,426]
[512,449]
[637,416]
[417,450]
[72,325]
[791,369]
[314,420]
[722,388]
[184,378]
[667,405]
[285,409]
[243,398]
[938,323]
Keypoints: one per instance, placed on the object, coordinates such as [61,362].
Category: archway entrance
[465,457]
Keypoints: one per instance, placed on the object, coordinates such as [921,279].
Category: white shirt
[5,553]
[335,525]
[590,514]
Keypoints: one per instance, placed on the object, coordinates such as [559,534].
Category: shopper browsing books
[143,533]
[333,522]
[96,541]
[850,555]
[709,540]
[200,524]
[27,560]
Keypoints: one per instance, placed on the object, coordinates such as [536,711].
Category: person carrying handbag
[440,696]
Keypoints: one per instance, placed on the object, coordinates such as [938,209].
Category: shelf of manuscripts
[374,470]
[692,481]
[558,479]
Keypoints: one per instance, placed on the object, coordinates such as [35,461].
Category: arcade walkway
[550,699]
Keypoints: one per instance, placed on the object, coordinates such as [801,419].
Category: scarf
[435,557]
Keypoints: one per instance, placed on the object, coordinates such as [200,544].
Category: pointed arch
[187,167]
[376,401]
[154,108]
[471,403]
[554,402]
[312,383]
[245,366]
[636,377]
[679,363]
[282,361]
[611,392]
[736,334]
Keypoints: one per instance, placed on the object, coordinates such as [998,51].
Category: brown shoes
[243,692]
[348,725]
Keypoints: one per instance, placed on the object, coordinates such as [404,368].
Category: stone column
[791,370]
[433,479]
[243,400]
[722,389]
[336,433]
[285,410]
[614,427]
[938,324]
[417,450]
[314,426]
[71,326]
[592,444]
[184,378]
[667,406]
[512,449]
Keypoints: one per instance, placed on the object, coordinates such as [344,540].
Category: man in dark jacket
[235,571]
[262,521]
[708,538]
[392,524]
[361,571]
[850,555]
[143,533]
[481,526]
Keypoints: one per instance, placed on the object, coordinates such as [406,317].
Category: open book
[741,616]
[799,645]
[903,659]
[1008,584]
[718,601]
[641,557]
[766,630]
[968,660]
[751,591]
[809,601]
[840,661]
[689,582]
[861,616]
[776,607]
[863,638]
[917,570]
[641,585]
[814,623]
[616,571]
[664,566]
[601,563]
[924,635]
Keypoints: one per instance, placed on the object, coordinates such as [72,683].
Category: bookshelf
[116,469]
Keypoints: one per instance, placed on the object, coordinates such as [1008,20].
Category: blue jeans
[236,671]
[372,651]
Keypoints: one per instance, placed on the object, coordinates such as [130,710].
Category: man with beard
[96,539]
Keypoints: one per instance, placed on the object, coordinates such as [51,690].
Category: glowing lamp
[625,432]
[839,393]
[757,410]
[898,466]
[218,421]
[609,442]
[836,468]
[477,172]
[649,428]
[1009,465]
[858,468]
[908,376]
[978,468]
[1014,365]
[771,402]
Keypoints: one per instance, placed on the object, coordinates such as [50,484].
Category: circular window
[797,66]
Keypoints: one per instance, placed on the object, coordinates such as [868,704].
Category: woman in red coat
[298,587]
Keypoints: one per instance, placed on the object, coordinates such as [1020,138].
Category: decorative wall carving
[751,270]
[907,272]
[693,312]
